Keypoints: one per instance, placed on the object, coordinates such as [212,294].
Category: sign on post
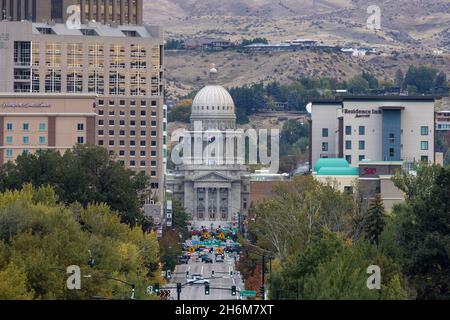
[248,293]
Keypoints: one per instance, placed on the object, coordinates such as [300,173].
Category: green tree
[374,220]
[371,80]
[180,218]
[422,78]
[423,230]
[358,85]
[181,112]
[399,78]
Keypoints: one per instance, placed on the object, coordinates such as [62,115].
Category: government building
[375,128]
[103,11]
[214,191]
[121,65]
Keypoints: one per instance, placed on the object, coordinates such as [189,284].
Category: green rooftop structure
[331,163]
[338,171]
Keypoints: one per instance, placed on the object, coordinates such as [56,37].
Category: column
[2,130]
[91,10]
[217,204]
[206,203]
[114,10]
[122,11]
[82,13]
[139,12]
[98,12]
[7,10]
[106,11]
[195,209]
[22,10]
[130,11]
[230,209]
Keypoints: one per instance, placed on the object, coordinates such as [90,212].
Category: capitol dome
[213,99]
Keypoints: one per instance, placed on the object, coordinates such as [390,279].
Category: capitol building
[212,181]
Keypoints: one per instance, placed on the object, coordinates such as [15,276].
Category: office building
[443,120]
[122,65]
[377,128]
[103,11]
[31,122]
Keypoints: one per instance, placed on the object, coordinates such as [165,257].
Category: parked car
[219,258]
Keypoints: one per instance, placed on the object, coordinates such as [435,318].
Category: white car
[197,279]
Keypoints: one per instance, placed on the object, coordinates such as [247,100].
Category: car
[219,258]
[184,260]
[197,279]
[206,258]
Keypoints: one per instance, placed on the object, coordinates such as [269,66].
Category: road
[221,279]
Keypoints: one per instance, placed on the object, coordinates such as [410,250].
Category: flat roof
[343,98]
[20,95]
[380,162]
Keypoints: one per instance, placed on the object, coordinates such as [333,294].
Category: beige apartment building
[31,122]
[103,11]
[122,65]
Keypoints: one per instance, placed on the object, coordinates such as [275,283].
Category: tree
[86,174]
[371,80]
[422,230]
[180,218]
[374,220]
[181,112]
[358,85]
[399,78]
[45,238]
[422,78]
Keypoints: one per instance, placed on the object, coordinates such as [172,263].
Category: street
[221,279]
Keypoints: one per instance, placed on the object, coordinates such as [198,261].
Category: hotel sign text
[25,105]
[362,113]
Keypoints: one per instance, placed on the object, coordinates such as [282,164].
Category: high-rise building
[103,11]
[122,65]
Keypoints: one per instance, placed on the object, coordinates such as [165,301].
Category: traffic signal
[207,289]
[231,272]
[212,273]
[262,291]
[156,288]
[179,287]
[233,290]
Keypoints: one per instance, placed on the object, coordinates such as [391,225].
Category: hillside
[404,23]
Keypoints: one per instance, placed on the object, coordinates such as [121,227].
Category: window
[132,133]
[348,158]
[153,163]
[101,103]
[132,143]
[101,142]
[153,123]
[41,126]
[122,103]
[122,123]
[142,163]
[26,126]
[362,130]
[325,132]
[391,152]
[391,138]
[143,113]
[153,143]
[122,132]
[122,142]
[132,113]
[9,126]
[153,173]
[132,153]
[153,133]
[80,127]
[348,189]
[423,145]
[424,158]
[111,132]
[348,145]
[324,146]
[121,153]
[362,145]
[132,163]
[142,133]
[362,157]
[80,140]
[25,152]
[9,140]
[26,140]
[101,122]
[348,130]
[41,140]
[424,130]
[101,132]
[111,142]
[9,153]
[143,123]
[111,122]
[143,143]
[132,123]
[153,153]
[142,153]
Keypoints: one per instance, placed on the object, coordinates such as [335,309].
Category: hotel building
[103,11]
[30,122]
[376,128]
[122,65]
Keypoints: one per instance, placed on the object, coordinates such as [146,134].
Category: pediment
[212,176]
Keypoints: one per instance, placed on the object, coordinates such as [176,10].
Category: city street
[221,279]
